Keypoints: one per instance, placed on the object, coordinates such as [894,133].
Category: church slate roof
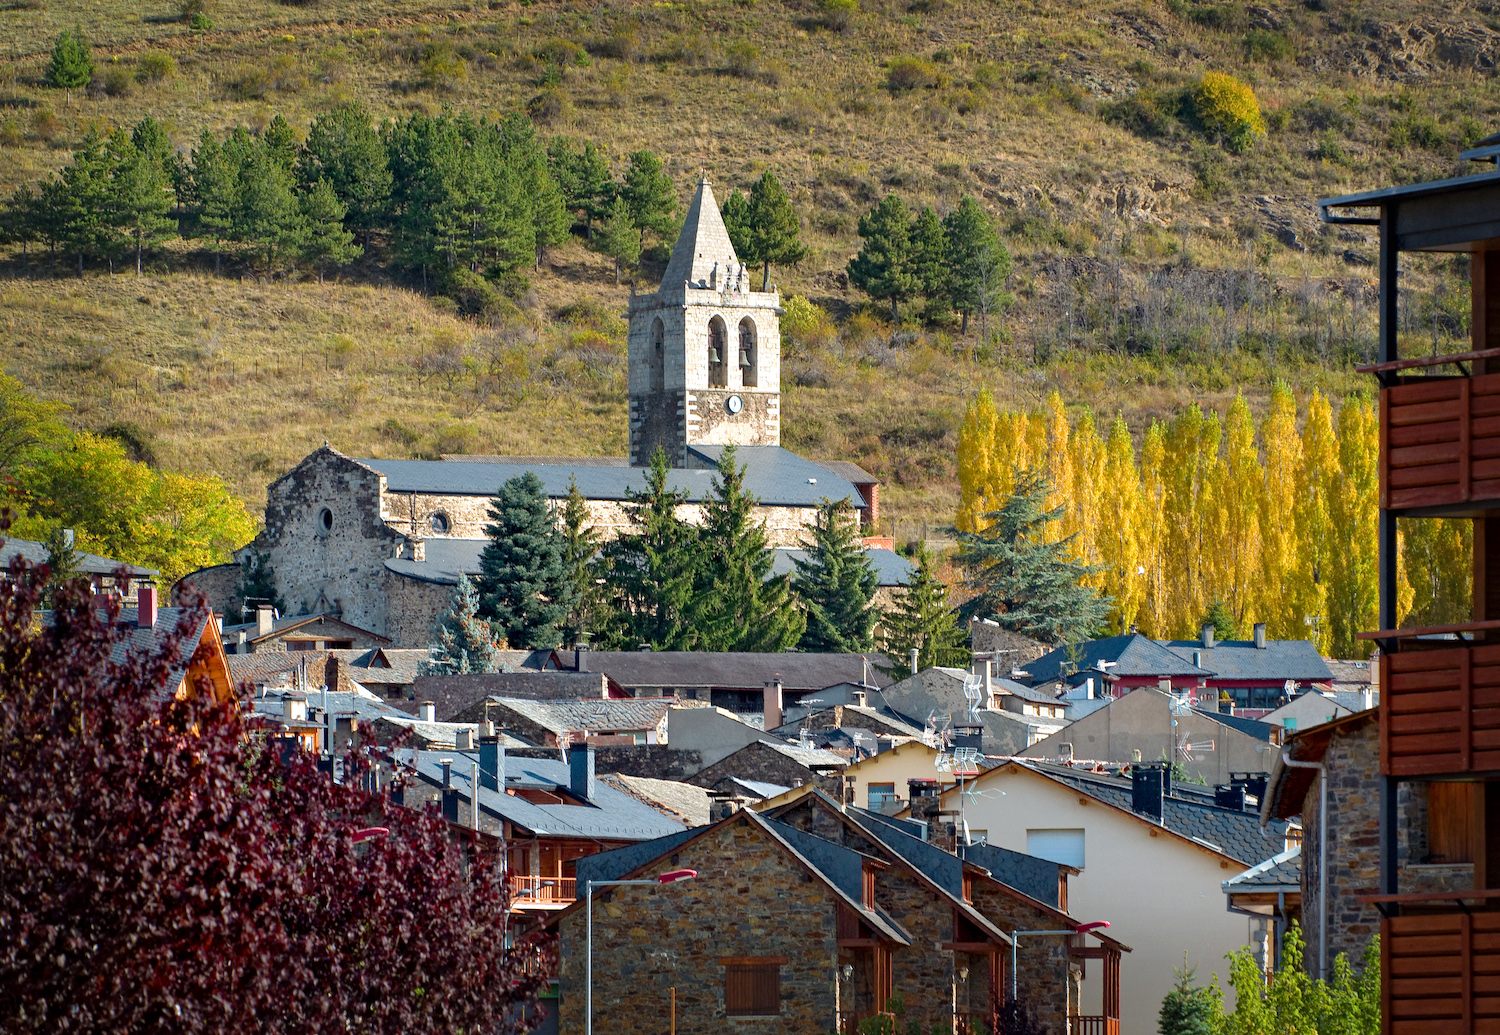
[702,245]
[891,569]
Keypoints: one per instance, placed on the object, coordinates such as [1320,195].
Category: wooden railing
[1084,1024]
[1440,442]
[542,891]
[1441,970]
[1440,711]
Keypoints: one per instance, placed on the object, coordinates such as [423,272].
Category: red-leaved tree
[160,872]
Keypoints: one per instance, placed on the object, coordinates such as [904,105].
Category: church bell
[714,359]
[744,357]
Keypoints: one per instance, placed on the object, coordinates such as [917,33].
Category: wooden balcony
[1441,968]
[542,892]
[1440,443]
[1440,709]
[1083,1024]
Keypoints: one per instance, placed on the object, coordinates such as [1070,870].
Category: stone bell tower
[705,350]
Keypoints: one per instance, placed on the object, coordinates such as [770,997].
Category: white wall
[1160,894]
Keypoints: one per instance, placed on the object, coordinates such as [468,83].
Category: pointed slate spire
[703,247]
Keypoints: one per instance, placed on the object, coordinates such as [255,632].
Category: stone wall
[765,764]
[219,586]
[709,422]
[412,606]
[1046,980]
[751,899]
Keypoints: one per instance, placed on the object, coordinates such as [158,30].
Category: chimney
[450,792]
[772,707]
[1207,633]
[1164,684]
[427,711]
[1230,796]
[263,620]
[1260,635]
[1148,791]
[859,698]
[463,740]
[68,538]
[491,763]
[579,665]
[486,729]
[145,615]
[915,654]
[1197,659]
[581,773]
[989,683]
[294,707]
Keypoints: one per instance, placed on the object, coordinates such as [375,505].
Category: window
[748,376]
[440,523]
[718,362]
[752,985]
[1058,845]
[325,519]
[880,793]
[1450,815]
[658,361]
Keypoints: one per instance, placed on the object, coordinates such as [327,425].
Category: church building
[379,543]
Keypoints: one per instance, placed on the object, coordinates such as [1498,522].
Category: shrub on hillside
[1227,108]
[154,66]
[441,66]
[904,74]
[839,15]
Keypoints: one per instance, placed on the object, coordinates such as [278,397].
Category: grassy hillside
[1153,266]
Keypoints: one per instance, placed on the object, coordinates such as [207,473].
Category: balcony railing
[1084,1024]
[1442,966]
[542,891]
[1440,709]
[1440,441]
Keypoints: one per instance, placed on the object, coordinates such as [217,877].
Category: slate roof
[758,788]
[1237,660]
[1036,695]
[1132,654]
[282,626]
[680,801]
[812,758]
[1250,727]
[1281,871]
[444,734]
[891,569]
[275,667]
[612,814]
[1234,833]
[1028,874]
[89,563]
[643,713]
[401,664]
[617,862]
[453,694]
[779,477]
[696,669]
[876,721]
[169,621]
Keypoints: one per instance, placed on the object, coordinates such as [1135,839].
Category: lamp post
[1015,936]
[670,877]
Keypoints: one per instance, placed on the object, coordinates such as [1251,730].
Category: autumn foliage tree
[160,871]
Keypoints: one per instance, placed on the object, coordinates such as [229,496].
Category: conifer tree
[139,201]
[583,175]
[929,247]
[775,232]
[651,570]
[344,148]
[883,268]
[213,186]
[280,142]
[837,584]
[976,264]
[525,584]
[72,64]
[580,546]
[267,216]
[922,620]
[738,604]
[618,238]
[463,641]
[1190,1009]
[84,190]
[1022,580]
[649,195]
[735,212]
[328,243]
[1221,618]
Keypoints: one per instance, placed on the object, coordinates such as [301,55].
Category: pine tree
[328,243]
[525,584]
[213,187]
[650,195]
[618,237]
[651,570]
[583,175]
[72,64]
[922,620]
[343,148]
[929,247]
[139,201]
[267,215]
[775,230]
[883,267]
[735,212]
[738,604]
[1221,618]
[1022,580]
[580,546]
[1190,1009]
[280,142]
[463,641]
[85,188]
[837,584]
[62,562]
[977,264]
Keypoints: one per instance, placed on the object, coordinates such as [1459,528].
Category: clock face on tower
[734,404]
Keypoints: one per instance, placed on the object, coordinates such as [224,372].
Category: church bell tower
[704,350]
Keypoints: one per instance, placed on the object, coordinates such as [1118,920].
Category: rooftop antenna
[974,694]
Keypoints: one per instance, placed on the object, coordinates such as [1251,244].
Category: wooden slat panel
[1481,448]
[1486,469]
[1426,945]
[1430,701]
[1485,490]
[1485,384]
[1441,677]
[1425,722]
[1423,496]
[1428,1026]
[1425,743]
[1485,406]
[1405,1009]
[1435,453]
[1405,415]
[1423,391]
[1429,475]
[1423,434]
[1418,923]
[1424,987]
[1424,966]
[1421,661]
[1426,765]
[1483,427]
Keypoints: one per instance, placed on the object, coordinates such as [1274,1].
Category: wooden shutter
[1450,822]
[752,986]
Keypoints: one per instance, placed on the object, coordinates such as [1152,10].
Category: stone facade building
[379,543]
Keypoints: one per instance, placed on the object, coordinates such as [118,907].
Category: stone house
[306,632]
[1436,824]
[769,766]
[103,574]
[380,542]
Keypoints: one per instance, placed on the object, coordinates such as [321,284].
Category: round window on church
[325,519]
[440,523]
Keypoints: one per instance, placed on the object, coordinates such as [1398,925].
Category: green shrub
[839,15]
[441,67]
[154,66]
[904,74]
[200,22]
[1147,112]
[1329,149]
[559,51]
[113,80]
[1265,45]
[742,59]
[1227,108]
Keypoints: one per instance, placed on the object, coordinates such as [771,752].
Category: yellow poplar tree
[1319,480]
[1152,533]
[976,461]
[1278,524]
[1121,513]
[1241,503]
[1353,594]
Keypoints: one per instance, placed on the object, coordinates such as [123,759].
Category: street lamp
[670,877]
[1016,935]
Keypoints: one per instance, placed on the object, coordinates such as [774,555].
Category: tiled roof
[1234,833]
[1029,875]
[643,713]
[697,669]
[1242,660]
[1036,695]
[1132,655]
[454,694]
[1280,871]
[169,621]
[813,758]
[281,626]
[758,788]
[88,563]
[1250,727]
[680,801]
[891,569]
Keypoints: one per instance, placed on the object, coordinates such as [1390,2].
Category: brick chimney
[145,617]
[772,707]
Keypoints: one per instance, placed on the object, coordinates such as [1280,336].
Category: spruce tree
[650,195]
[267,215]
[463,641]
[580,545]
[883,267]
[837,584]
[72,64]
[345,149]
[775,231]
[280,142]
[651,570]
[618,238]
[328,243]
[139,201]
[1021,580]
[738,604]
[735,212]
[976,262]
[1221,617]
[1189,1010]
[928,247]
[922,619]
[525,584]
[583,175]
[62,562]
[212,192]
